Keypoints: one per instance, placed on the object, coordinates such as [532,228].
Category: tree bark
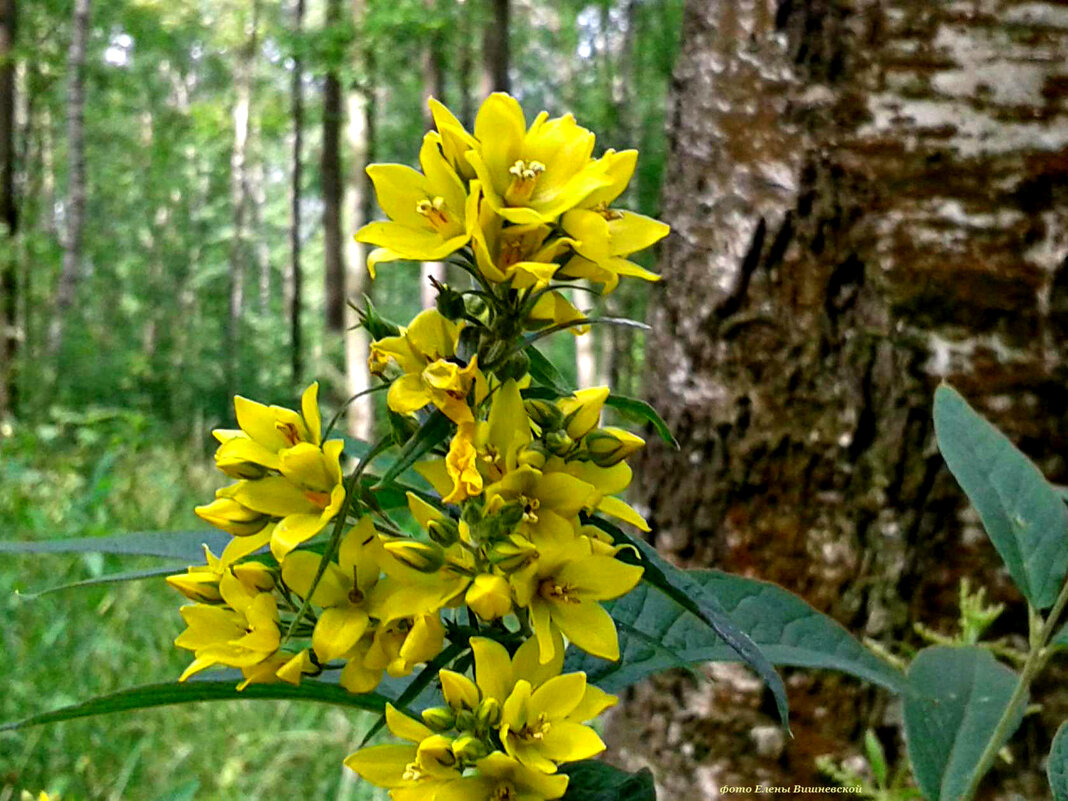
[863,204]
[240,197]
[331,180]
[495,48]
[76,192]
[465,67]
[433,86]
[9,284]
[360,132]
[294,277]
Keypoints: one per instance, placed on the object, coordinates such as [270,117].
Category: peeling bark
[866,198]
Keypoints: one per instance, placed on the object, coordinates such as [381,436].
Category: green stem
[1036,659]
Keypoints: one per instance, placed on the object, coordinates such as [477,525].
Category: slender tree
[76,191]
[433,86]
[856,217]
[332,187]
[8,211]
[495,47]
[294,277]
[240,193]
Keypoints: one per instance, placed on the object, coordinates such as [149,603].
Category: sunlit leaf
[184,545]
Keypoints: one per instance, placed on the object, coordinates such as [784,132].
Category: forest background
[867,197]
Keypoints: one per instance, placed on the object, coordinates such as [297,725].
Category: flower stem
[1036,659]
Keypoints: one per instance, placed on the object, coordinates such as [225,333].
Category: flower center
[530,508]
[413,773]
[355,596]
[504,792]
[434,211]
[524,176]
[289,432]
[609,214]
[561,593]
[320,499]
[535,730]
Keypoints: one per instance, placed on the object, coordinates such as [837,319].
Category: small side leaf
[641,412]
[544,372]
[955,698]
[692,596]
[1025,518]
[431,433]
[1057,767]
[110,578]
[152,695]
[590,780]
[184,545]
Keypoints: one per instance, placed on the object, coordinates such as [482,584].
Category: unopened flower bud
[422,556]
[558,442]
[610,446]
[197,585]
[443,531]
[515,366]
[469,748]
[401,427]
[509,516]
[435,752]
[534,455]
[488,714]
[465,720]
[377,325]
[254,575]
[489,596]
[233,518]
[545,414]
[512,554]
[582,410]
[439,718]
[450,303]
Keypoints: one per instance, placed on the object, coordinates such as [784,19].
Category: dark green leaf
[786,629]
[544,372]
[111,578]
[590,780]
[153,695]
[641,412]
[1057,767]
[686,591]
[185,545]
[431,433]
[954,700]
[1024,516]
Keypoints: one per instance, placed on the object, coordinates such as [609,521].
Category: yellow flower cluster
[505,559]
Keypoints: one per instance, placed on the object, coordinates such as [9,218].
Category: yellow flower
[522,254]
[535,726]
[425,210]
[532,175]
[502,778]
[405,641]
[232,517]
[490,596]
[561,589]
[605,236]
[547,501]
[455,140]
[553,308]
[461,464]
[428,338]
[609,446]
[344,591]
[201,582]
[582,410]
[240,635]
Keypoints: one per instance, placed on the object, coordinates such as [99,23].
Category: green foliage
[953,704]
[599,781]
[1057,768]
[1024,517]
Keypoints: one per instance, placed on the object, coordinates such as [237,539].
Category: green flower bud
[558,442]
[545,414]
[422,556]
[469,748]
[450,303]
[610,446]
[439,718]
[377,325]
[488,714]
[465,720]
[510,516]
[515,366]
[444,532]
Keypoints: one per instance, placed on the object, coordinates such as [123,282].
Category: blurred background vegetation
[180,183]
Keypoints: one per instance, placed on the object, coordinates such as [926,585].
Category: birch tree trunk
[9,283]
[433,86]
[866,198]
[75,205]
[293,287]
[360,416]
[495,48]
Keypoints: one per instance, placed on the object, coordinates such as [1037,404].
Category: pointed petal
[589,627]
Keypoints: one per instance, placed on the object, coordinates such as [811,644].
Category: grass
[92,475]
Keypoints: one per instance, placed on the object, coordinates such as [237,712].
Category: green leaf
[1022,514]
[184,792]
[641,412]
[152,695]
[1057,767]
[686,591]
[184,545]
[786,629]
[110,578]
[873,749]
[955,698]
[431,433]
[544,372]
[591,780]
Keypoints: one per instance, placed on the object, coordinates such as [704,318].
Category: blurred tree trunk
[867,198]
[495,48]
[433,86]
[360,131]
[261,248]
[465,67]
[240,196]
[331,180]
[9,283]
[75,204]
[293,289]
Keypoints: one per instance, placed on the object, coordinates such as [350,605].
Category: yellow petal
[382,765]
[589,627]
[614,507]
[337,630]
[459,691]
[557,697]
[569,742]
[405,727]
[298,572]
[493,668]
[309,406]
